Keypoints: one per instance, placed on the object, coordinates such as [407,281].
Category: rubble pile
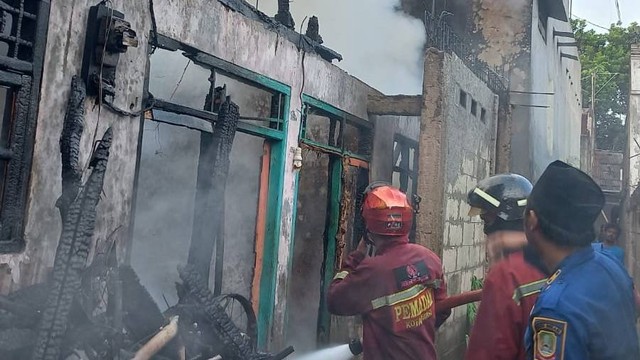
[204,330]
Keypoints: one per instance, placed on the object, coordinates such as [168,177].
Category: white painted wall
[554,131]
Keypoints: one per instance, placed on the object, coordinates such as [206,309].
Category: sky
[603,12]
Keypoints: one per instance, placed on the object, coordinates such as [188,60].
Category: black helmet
[503,194]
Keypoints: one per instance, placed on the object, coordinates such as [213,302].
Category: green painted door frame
[272,232]
[336,168]
[329,261]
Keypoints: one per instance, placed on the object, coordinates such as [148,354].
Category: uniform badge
[549,338]
[411,274]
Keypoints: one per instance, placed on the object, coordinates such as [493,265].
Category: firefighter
[394,290]
[586,308]
[511,286]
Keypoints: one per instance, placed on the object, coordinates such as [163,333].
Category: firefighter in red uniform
[396,289]
[512,285]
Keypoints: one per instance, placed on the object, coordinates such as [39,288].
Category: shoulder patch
[553,277]
[412,274]
[549,337]
[526,290]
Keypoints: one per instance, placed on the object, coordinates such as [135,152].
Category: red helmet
[386,210]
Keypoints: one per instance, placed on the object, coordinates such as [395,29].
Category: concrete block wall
[457,149]
[470,144]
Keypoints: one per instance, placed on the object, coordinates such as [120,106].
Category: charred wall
[63,59]
[210,27]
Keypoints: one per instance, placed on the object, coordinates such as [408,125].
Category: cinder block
[467,164]
[468,234]
[455,235]
[449,256]
[473,256]
[452,209]
[462,258]
[445,233]
[465,280]
[460,185]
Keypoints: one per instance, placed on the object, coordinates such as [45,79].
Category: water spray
[340,352]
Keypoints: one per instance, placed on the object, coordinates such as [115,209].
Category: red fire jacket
[395,292]
[510,290]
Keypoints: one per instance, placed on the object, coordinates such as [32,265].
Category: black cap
[568,200]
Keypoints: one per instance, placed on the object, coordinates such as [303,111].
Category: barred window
[23,30]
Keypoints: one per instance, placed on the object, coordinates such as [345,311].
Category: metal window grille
[18,22]
[23,33]
[441,36]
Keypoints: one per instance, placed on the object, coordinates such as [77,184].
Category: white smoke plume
[381,46]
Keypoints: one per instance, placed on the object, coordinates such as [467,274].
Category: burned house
[235,145]
[229,148]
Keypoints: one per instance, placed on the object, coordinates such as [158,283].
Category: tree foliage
[607,56]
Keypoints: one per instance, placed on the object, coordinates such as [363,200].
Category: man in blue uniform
[586,310]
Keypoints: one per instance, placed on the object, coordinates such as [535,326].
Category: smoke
[380,45]
[167,182]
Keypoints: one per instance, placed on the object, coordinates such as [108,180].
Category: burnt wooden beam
[400,105]
[71,257]
[72,130]
[213,169]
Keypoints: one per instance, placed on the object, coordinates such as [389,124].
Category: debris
[158,341]
[213,169]
[101,311]
[313,30]
[79,214]
[284,15]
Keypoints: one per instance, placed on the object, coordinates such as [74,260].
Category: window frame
[25,77]
[408,170]
[203,121]
[344,119]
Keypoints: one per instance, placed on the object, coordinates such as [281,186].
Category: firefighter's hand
[362,247]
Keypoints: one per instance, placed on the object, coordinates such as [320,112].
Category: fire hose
[458,300]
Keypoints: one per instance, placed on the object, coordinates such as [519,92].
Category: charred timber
[302,42]
[213,169]
[71,257]
[70,146]
[235,345]
[284,15]
[313,30]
